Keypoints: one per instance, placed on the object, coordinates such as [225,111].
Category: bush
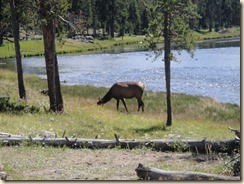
[6,105]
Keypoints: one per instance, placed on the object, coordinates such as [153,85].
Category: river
[214,71]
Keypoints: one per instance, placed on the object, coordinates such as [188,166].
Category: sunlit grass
[193,117]
[231,32]
[35,47]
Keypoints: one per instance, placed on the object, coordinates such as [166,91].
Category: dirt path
[37,163]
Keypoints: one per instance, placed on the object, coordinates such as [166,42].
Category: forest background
[111,18]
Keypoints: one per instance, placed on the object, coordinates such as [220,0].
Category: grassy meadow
[35,47]
[230,32]
[193,117]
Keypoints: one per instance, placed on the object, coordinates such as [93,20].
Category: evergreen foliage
[115,17]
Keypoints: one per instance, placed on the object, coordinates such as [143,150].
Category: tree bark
[54,91]
[167,58]
[112,19]
[210,14]
[15,25]
[1,39]
[147,173]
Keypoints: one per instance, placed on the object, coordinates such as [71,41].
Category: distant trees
[2,24]
[120,17]
[131,17]
[217,14]
[5,20]
[113,16]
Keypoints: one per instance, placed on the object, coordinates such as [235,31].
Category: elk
[121,90]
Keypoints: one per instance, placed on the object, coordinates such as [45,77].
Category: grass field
[193,117]
[35,47]
[230,32]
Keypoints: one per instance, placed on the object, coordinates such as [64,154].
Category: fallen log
[147,173]
[3,134]
[199,146]
[237,133]
[3,176]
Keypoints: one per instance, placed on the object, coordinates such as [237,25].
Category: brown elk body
[121,90]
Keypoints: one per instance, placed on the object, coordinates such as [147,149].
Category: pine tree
[170,20]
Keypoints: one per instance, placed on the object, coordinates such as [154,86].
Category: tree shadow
[150,129]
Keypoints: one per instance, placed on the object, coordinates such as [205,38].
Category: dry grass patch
[45,163]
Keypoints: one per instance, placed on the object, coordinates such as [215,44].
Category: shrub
[6,105]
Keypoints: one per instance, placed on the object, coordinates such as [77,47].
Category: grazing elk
[121,90]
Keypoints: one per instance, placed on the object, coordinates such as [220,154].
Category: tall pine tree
[170,20]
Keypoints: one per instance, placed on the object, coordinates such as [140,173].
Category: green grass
[35,47]
[231,32]
[193,117]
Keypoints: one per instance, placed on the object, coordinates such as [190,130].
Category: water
[214,71]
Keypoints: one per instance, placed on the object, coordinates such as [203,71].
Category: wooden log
[199,146]
[237,133]
[3,176]
[3,134]
[147,173]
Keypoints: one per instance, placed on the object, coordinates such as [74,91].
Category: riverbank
[194,117]
[70,46]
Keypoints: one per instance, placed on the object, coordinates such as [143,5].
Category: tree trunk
[1,39]
[167,58]
[210,14]
[147,173]
[94,24]
[54,91]
[112,18]
[58,94]
[15,26]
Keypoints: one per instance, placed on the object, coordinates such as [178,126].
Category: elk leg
[117,104]
[124,104]
[140,105]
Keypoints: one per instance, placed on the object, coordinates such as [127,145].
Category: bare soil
[38,163]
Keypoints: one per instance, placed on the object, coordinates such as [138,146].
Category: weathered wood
[199,146]
[147,173]
[3,176]
[237,133]
[3,134]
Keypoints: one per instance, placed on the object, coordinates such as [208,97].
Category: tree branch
[66,21]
